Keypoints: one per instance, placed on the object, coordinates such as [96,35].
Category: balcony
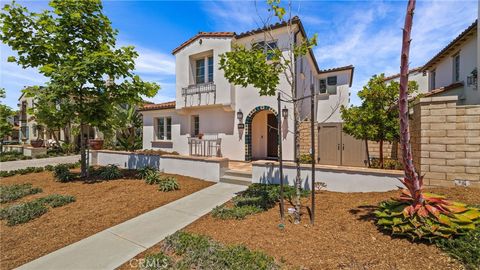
[200,94]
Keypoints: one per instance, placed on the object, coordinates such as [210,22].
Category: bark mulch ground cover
[344,235]
[98,206]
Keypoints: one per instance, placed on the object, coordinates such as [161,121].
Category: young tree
[262,66]
[129,123]
[6,126]
[376,119]
[74,46]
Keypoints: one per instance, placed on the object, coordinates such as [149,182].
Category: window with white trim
[456,67]
[200,71]
[163,130]
[322,86]
[433,75]
[195,125]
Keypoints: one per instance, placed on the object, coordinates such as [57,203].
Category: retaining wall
[337,178]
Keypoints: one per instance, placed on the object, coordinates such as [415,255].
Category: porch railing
[199,89]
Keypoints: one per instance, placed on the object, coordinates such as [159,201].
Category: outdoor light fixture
[285,112]
[241,126]
[240,115]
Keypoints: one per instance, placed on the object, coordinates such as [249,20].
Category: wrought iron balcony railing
[199,89]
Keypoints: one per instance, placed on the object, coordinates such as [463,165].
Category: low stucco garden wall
[337,178]
[205,168]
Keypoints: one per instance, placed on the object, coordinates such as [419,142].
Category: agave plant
[436,217]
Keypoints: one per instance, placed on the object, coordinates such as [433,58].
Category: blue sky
[366,34]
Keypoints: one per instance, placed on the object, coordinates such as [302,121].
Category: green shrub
[14,192]
[56,200]
[257,198]
[306,158]
[157,261]
[237,212]
[110,172]
[49,168]
[168,183]
[388,163]
[22,213]
[145,171]
[62,173]
[201,252]
[464,248]
[152,178]
[36,169]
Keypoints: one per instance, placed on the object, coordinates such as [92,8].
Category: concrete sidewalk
[112,247]
[39,162]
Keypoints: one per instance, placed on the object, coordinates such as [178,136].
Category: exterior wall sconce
[240,115]
[285,112]
[241,126]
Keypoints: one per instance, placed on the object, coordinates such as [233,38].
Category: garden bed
[97,206]
[344,236]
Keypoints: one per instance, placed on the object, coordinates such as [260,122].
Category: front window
[164,129]
[195,125]
[200,71]
[210,69]
[456,68]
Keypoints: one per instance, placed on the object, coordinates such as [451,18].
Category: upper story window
[204,70]
[322,85]
[210,69]
[200,71]
[164,129]
[266,47]
[332,80]
[456,67]
[433,74]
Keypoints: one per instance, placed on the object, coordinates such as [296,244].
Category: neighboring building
[29,129]
[234,121]
[453,71]
[416,75]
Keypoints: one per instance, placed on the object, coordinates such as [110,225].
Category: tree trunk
[298,178]
[381,154]
[368,153]
[412,180]
[83,157]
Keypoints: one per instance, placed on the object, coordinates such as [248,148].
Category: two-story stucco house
[453,71]
[213,117]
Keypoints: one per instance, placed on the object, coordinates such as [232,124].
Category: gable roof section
[159,106]
[413,70]
[349,67]
[203,35]
[453,45]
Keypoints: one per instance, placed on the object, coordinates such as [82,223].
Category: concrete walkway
[115,246]
[40,162]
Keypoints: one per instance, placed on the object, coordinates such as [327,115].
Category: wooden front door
[272,136]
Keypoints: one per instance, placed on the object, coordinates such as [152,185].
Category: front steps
[237,177]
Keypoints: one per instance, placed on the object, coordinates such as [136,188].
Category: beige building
[453,71]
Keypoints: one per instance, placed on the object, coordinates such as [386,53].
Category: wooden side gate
[338,148]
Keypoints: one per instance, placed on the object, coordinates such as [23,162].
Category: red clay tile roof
[413,70]
[203,34]
[472,29]
[294,20]
[160,106]
[443,89]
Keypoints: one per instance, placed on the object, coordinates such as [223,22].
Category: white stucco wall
[468,61]
[336,180]
[184,71]
[417,76]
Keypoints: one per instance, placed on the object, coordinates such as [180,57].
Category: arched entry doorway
[261,134]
